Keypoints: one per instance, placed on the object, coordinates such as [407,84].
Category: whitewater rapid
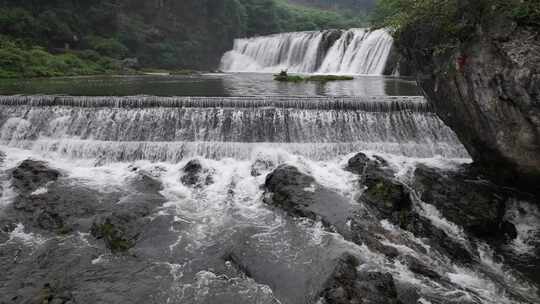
[103,143]
[355,51]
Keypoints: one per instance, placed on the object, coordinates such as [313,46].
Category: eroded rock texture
[487,89]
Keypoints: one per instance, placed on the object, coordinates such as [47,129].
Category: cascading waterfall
[200,241]
[171,129]
[356,51]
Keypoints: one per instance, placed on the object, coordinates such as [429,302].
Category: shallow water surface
[240,84]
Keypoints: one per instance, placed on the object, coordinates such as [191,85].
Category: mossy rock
[387,196]
[326,78]
[113,236]
[284,77]
[288,78]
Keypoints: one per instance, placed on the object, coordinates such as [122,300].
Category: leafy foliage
[94,36]
[440,25]
[453,16]
[17,60]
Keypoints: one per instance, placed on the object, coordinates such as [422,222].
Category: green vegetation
[76,37]
[277,16]
[20,60]
[325,78]
[445,23]
[114,237]
[285,77]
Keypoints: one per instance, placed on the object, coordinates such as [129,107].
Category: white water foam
[357,51]
[526,218]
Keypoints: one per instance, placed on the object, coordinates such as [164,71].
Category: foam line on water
[110,151]
[361,103]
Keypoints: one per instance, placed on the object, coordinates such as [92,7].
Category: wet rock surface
[486,89]
[58,216]
[31,175]
[390,200]
[300,195]
[195,174]
[65,271]
[121,227]
[475,204]
[69,241]
[347,285]
[387,198]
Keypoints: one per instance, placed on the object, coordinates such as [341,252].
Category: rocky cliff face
[487,90]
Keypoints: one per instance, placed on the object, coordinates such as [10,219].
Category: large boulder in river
[122,226]
[30,175]
[120,229]
[389,199]
[348,286]
[486,86]
[382,193]
[475,204]
[301,196]
[44,201]
[195,175]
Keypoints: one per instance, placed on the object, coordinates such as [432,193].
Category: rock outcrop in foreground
[487,89]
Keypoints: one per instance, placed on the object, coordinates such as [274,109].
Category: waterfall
[356,51]
[173,128]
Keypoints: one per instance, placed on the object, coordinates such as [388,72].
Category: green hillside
[77,37]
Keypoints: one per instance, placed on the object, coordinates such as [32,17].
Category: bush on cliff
[444,23]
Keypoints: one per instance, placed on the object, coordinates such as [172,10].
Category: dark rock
[121,228]
[195,174]
[397,65]
[31,175]
[287,185]
[5,228]
[259,166]
[236,263]
[363,233]
[328,40]
[388,197]
[63,270]
[418,267]
[192,170]
[301,196]
[390,200]
[115,231]
[383,193]
[366,167]
[476,205]
[348,286]
[59,208]
[487,90]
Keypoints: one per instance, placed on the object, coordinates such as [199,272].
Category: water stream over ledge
[216,240]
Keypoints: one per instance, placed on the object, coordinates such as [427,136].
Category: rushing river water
[187,178]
